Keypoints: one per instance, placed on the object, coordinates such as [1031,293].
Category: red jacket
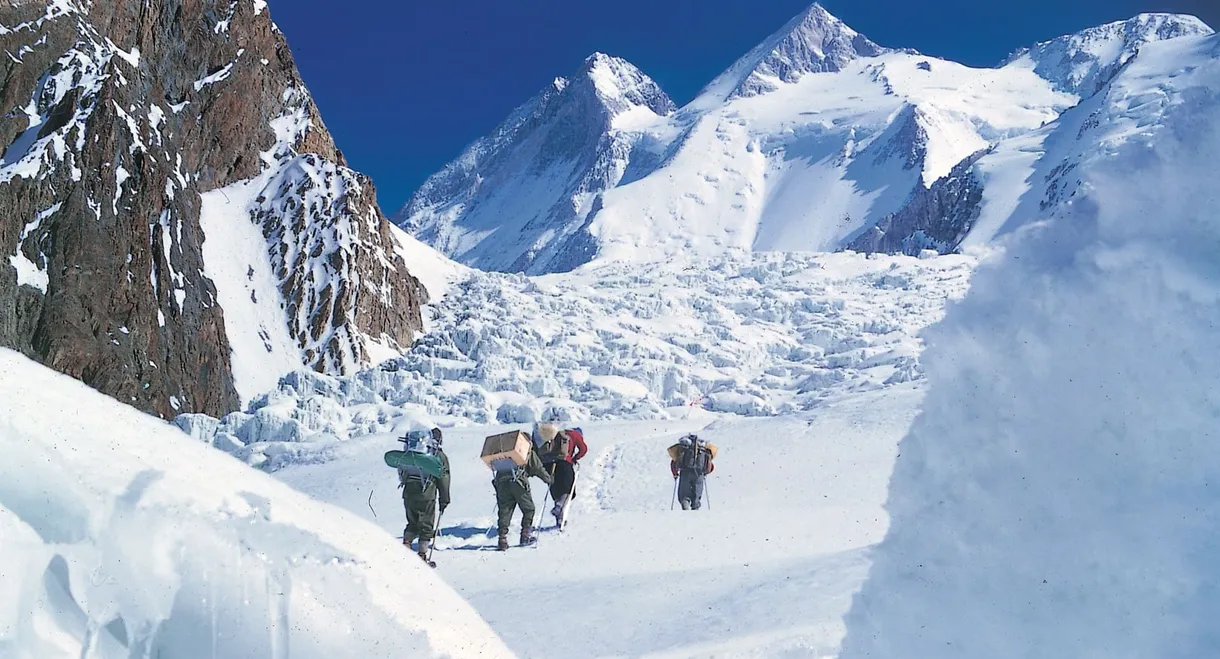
[576,447]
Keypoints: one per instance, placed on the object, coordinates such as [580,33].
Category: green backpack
[420,460]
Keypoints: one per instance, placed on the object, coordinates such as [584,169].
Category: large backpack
[557,448]
[697,456]
[420,461]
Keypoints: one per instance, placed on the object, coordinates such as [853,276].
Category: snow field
[123,538]
[766,569]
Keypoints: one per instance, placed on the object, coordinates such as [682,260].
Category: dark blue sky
[404,85]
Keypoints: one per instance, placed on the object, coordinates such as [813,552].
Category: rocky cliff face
[937,217]
[118,119]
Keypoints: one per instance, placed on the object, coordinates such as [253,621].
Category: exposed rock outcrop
[115,117]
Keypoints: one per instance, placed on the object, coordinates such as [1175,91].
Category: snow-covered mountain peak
[535,180]
[814,41]
[621,87]
[1083,62]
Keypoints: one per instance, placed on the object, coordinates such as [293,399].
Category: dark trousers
[565,477]
[510,495]
[420,504]
[690,489]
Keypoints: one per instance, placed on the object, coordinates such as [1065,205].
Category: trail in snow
[768,568]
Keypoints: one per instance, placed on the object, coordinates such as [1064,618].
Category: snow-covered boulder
[122,537]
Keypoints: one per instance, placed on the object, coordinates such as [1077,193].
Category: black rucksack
[696,456]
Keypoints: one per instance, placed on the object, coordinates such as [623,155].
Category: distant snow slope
[767,569]
[1057,497]
[755,334]
[121,537]
[808,142]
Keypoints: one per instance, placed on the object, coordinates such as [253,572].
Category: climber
[691,460]
[423,475]
[512,491]
[563,455]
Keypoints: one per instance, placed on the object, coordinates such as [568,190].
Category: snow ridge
[1084,62]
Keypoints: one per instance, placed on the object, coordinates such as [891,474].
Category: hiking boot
[527,537]
[407,540]
[423,549]
[502,545]
[685,504]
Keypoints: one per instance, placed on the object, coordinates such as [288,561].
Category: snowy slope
[806,143]
[124,538]
[767,571]
[1057,496]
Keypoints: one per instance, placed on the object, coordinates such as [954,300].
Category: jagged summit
[537,177]
[620,85]
[1083,62]
[812,42]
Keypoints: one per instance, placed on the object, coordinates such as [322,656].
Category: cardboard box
[506,450]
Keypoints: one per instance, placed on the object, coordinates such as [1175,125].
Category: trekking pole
[547,497]
[707,494]
[571,495]
[675,498]
[494,515]
[436,531]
